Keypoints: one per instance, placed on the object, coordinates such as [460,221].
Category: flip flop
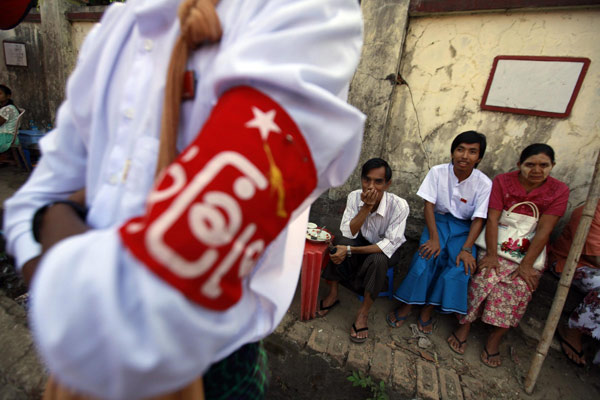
[577,353]
[398,319]
[356,339]
[328,308]
[460,344]
[423,324]
[487,358]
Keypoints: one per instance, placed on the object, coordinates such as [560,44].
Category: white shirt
[384,227]
[464,200]
[104,323]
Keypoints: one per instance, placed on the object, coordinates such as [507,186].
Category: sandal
[579,354]
[328,308]
[461,343]
[357,339]
[398,319]
[486,360]
[422,324]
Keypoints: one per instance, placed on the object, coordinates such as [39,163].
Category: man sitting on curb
[373,230]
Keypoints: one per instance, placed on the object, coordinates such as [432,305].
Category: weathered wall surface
[371,91]
[372,86]
[52,46]
[60,56]
[447,61]
[79,31]
[28,84]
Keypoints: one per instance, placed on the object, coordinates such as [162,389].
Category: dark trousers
[362,272]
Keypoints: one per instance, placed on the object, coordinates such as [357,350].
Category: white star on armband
[264,122]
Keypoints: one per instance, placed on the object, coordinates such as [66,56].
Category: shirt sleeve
[102,320]
[60,170]
[483,198]
[496,194]
[5,113]
[592,242]
[428,189]
[350,212]
[394,234]
[318,73]
[559,204]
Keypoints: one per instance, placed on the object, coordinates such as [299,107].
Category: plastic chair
[389,293]
[17,150]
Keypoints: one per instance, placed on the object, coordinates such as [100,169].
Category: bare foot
[570,341]
[396,318]
[456,343]
[490,359]
[458,339]
[490,355]
[327,304]
[425,320]
[357,331]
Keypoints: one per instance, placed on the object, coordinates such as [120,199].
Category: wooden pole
[565,280]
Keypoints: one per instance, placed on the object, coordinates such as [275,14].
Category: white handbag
[515,233]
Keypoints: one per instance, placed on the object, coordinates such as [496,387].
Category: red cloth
[13,11]
[551,198]
[224,199]
[560,249]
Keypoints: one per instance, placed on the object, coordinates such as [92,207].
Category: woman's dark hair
[376,163]
[537,148]
[7,92]
[470,137]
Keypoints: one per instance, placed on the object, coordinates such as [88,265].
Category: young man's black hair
[470,137]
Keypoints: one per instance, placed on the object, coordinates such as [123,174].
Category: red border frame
[4,54]
[422,7]
[586,64]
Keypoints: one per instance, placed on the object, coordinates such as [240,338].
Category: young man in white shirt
[456,199]
[373,227]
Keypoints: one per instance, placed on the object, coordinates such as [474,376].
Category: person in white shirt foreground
[373,227]
[157,277]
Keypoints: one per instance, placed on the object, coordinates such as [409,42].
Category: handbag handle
[536,212]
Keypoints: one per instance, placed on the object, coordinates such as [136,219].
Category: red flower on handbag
[513,247]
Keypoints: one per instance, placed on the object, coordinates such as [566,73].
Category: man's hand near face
[370,196]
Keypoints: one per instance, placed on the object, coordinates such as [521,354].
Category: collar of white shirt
[153,15]
[455,178]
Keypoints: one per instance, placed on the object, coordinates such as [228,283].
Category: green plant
[378,391]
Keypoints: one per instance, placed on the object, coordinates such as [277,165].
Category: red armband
[227,196]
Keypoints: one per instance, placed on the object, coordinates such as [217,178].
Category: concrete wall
[446,63]
[446,60]
[371,91]
[79,31]
[52,43]
[28,84]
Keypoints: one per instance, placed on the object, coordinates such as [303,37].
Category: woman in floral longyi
[501,289]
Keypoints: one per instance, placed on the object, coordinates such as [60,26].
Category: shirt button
[129,113]
[148,45]
[114,179]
